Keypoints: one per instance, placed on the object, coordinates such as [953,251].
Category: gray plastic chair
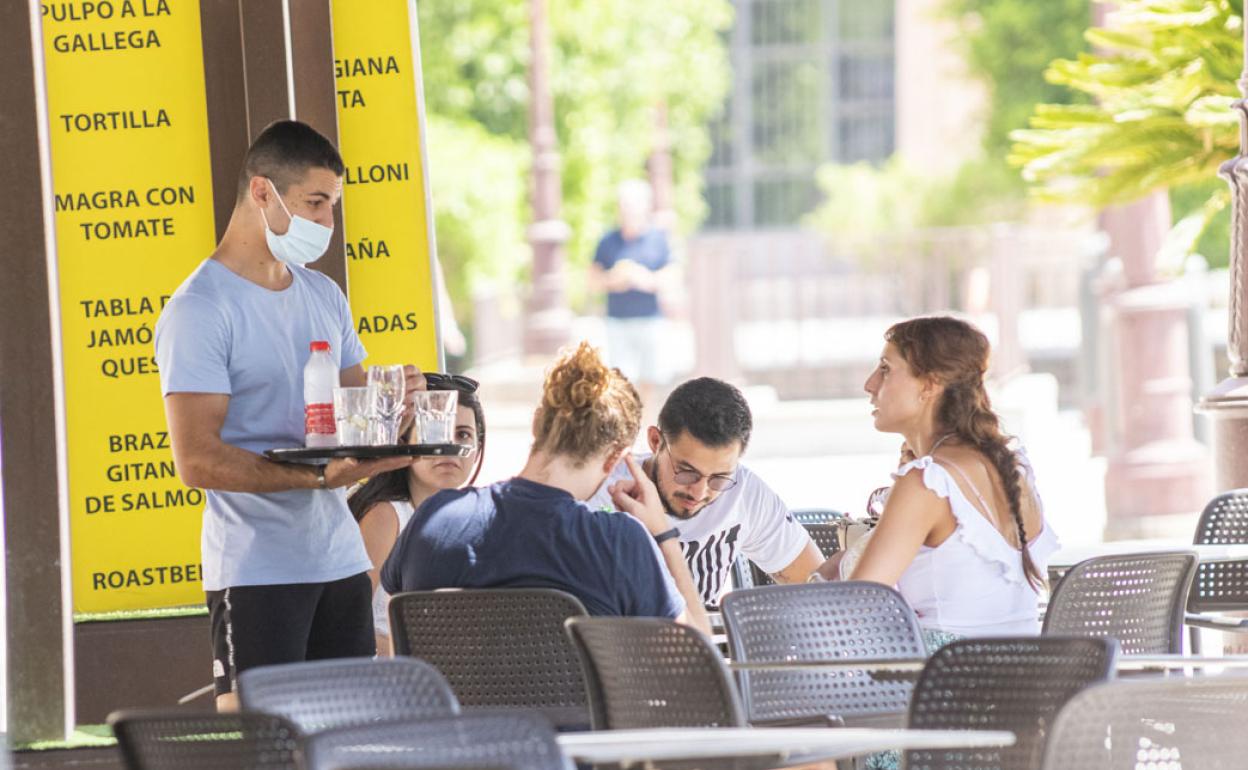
[652,672]
[1220,587]
[511,741]
[197,740]
[323,694]
[1157,723]
[758,578]
[820,523]
[1015,684]
[498,647]
[1138,599]
[822,621]
[808,516]
[742,575]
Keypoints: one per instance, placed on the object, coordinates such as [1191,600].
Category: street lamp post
[1227,404]
[547,321]
[659,169]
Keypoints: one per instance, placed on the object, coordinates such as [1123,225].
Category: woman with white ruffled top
[962,533]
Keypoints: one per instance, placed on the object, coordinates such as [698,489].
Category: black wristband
[668,535]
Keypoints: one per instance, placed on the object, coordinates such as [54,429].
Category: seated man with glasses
[719,506]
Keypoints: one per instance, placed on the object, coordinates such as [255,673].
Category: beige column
[1157,478]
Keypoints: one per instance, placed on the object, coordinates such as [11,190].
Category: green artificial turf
[164,612]
[83,737]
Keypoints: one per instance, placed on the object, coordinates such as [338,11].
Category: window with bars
[813,83]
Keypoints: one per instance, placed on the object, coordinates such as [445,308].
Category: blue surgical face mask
[303,242]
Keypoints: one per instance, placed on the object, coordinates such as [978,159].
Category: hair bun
[578,379]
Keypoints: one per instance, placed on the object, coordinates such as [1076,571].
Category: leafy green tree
[1160,88]
[862,203]
[1008,44]
[480,224]
[612,62]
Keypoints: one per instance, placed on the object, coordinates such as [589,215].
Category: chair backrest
[322,694]
[808,516]
[498,647]
[1138,599]
[825,536]
[510,741]
[758,578]
[652,672]
[742,573]
[1016,684]
[1155,723]
[820,621]
[197,740]
[1221,585]
[820,525]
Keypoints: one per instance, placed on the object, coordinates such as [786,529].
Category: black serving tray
[369,452]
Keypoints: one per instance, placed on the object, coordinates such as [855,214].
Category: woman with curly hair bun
[533,531]
[962,534]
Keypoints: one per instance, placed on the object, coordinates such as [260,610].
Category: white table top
[629,747]
[1181,661]
[839,664]
[1068,557]
[917,664]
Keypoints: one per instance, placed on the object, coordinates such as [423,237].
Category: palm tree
[1162,83]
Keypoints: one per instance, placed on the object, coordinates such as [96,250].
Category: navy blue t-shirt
[522,534]
[650,251]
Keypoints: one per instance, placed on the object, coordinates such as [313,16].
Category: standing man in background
[632,264]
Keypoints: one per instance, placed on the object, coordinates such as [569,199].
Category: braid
[1006,463]
[965,408]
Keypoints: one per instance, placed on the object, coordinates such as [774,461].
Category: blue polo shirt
[648,250]
[522,534]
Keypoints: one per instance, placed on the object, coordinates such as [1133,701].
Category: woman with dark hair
[962,534]
[385,504]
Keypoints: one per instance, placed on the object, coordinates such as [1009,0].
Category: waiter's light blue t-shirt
[221,333]
[522,534]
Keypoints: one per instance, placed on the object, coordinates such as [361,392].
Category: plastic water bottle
[320,377]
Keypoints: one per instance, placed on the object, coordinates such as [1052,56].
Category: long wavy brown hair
[955,354]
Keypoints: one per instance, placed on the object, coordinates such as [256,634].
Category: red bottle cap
[319,345]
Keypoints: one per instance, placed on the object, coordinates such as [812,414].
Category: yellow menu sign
[132,184]
[385,201]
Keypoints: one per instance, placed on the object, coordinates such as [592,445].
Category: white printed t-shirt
[748,519]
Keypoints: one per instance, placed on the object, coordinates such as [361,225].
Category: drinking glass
[385,398]
[352,409]
[435,415]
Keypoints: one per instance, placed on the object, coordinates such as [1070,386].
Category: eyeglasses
[440,381]
[716,482]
